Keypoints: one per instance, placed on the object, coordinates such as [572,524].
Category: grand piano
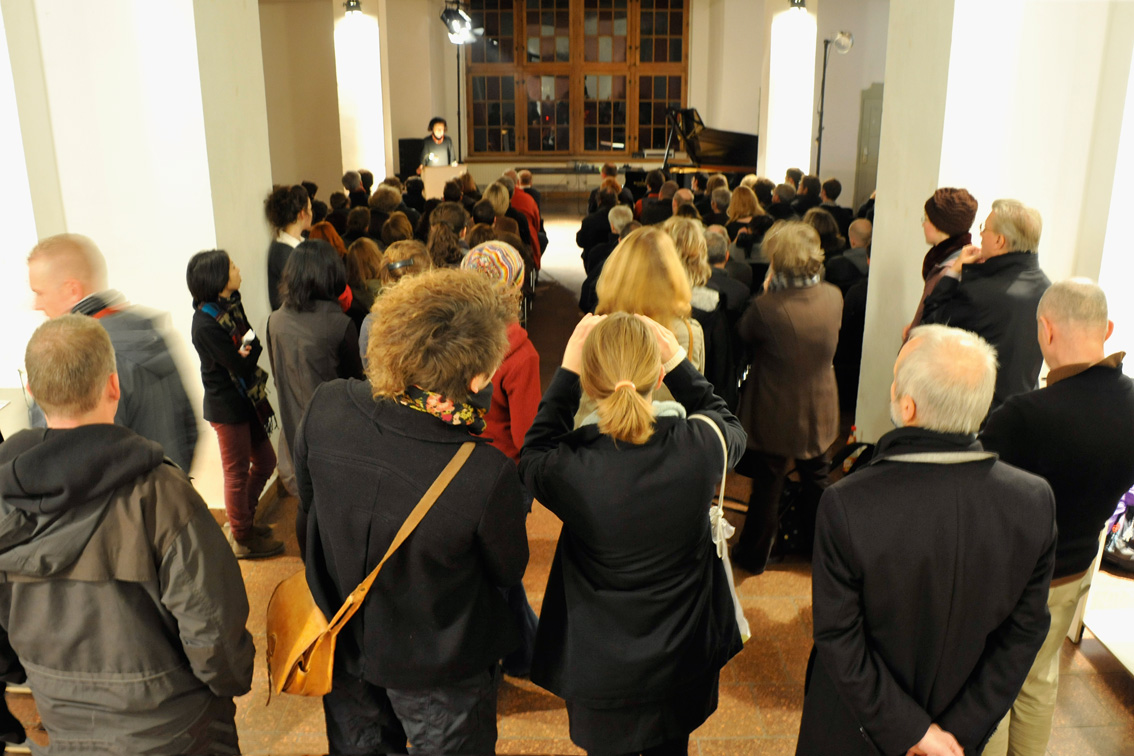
[709,150]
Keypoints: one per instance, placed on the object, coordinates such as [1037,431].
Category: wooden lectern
[435,177]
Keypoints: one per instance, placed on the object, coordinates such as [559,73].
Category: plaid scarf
[446,410]
[229,313]
[781,281]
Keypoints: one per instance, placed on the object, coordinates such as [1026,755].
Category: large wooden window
[588,77]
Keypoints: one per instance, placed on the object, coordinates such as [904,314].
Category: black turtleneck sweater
[1078,433]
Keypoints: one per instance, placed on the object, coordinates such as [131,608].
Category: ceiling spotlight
[353,6]
[843,42]
[799,4]
[459,25]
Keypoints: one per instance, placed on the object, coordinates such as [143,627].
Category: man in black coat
[624,197]
[735,293]
[1076,434]
[930,574]
[807,195]
[655,211]
[996,294]
[830,192]
[595,228]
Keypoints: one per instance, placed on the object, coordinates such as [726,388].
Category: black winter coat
[929,593]
[435,615]
[637,605]
[223,401]
[997,300]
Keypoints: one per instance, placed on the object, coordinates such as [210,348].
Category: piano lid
[716,147]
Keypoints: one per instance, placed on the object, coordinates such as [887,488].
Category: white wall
[301,87]
[726,48]
[847,76]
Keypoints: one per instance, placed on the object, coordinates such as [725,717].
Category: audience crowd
[722,329]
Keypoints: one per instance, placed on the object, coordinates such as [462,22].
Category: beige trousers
[1026,728]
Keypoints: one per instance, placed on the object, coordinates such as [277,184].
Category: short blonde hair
[69,359]
[73,256]
[644,275]
[399,252]
[1019,224]
[689,239]
[439,330]
[621,365]
[743,204]
[793,248]
[497,196]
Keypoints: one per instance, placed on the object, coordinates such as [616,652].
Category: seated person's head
[605,198]
[749,180]
[352,181]
[688,210]
[783,193]
[654,181]
[628,229]
[668,189]
[72,373]
[310,187]
[468,183]
[860,233]
[444,331]
[716,248]
[682,197]
[395,182]
[793,177]
[793,249]
[314,272]
[396,228]
[483,212]
[823,222]
[763,190]
[363,261]
[385,199]
[452,191]
[620,370]
[480,233]
[447,226]
[689,241]
[508,183]
[525,178]
[716,181]
[339,201]
[499,197]
[720,199]
[326,232]
[619,216]
[810,186]
[319,211]
[608,170]
[402,259]
[644,275]
[63,270]
[358,221]
[415,187]
[943,380]
[367,179]
[832,188]
[743,205]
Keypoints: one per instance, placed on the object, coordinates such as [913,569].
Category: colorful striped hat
[497,260]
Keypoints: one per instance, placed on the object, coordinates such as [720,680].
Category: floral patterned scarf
[448,411]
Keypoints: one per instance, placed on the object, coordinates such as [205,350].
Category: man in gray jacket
[118,593]
[67,273]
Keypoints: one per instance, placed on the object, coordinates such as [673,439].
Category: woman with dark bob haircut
[236,400]
[310,339]
[288,209]
[435,623]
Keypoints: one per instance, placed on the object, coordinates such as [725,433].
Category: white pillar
[144,127]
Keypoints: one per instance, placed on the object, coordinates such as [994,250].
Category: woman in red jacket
[515,399]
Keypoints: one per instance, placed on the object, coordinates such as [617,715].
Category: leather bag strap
[356,597]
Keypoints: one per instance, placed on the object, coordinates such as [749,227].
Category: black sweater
[223,401]
[1077,433]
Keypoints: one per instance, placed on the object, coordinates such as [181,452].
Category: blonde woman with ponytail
[637,616]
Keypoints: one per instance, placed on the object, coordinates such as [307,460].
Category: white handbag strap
[724,450]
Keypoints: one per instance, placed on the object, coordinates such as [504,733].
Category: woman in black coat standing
[638,617]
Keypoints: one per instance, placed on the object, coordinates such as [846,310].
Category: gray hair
[1076,301]
[352,180]
[69,359]
[618,217]
[717,247]
[73,256]
[721,197]
[950,374]
[1019,224]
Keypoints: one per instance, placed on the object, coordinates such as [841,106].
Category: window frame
[576,69]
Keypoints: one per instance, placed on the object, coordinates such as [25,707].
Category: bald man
[67,274]
[1076,433]
[681,197]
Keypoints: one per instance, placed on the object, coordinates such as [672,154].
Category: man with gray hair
[121,598]
[67,274]
[1075,434]
[352,182]
[931,571]
[595,257]
[719,200]
[734,292]
[992,290]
